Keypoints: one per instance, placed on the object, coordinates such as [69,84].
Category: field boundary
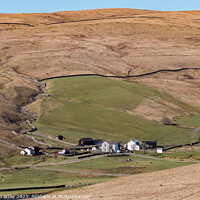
[22,24]
[31,188]
[122,77]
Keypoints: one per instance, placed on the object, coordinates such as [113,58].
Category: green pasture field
[98,107]
[107,92]
[187,155]
[20,160]
[36,178]
[119,165]
[190,121]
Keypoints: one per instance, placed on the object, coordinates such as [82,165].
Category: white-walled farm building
[30,151]
[109,147]
[134,145]
[159,150]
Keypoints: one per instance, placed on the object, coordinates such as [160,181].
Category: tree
[166,120]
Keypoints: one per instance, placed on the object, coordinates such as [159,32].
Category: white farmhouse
[109,147]
[134,145]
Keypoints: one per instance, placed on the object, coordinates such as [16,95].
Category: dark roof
[98,141]
[59,136]
[36,147]
[86,139]
[149,142]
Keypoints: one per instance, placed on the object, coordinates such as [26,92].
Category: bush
[166,120]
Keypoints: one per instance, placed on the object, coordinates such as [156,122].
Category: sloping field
[105,109]
[179,183]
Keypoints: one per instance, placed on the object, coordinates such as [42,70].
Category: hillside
[109,74]
[103,108]
[108,42]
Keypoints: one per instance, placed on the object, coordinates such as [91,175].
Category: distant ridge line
[122,77]
[97,19]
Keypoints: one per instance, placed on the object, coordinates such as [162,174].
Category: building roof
[59,136]
[134,140]
[86,139]
[111,142]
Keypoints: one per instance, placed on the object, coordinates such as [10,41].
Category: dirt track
[174,184]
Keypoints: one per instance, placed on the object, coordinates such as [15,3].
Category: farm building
[64,151]
[60,137]
[98,142]
[31,151]
[149,144]
[134,145]
[109,147]
[86,141]
[159,150]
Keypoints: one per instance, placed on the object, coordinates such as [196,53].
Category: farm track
[82,172]
[39,142]
[10,144]
[50,164]
[49,137]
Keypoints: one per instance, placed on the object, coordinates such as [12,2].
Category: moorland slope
[106,41]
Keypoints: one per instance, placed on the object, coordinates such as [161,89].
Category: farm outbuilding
[159,150]
[149,144]
[109,147]
[60,137]
[98,142]
[134,145]
[34,150]
[86,142]
[64,151]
